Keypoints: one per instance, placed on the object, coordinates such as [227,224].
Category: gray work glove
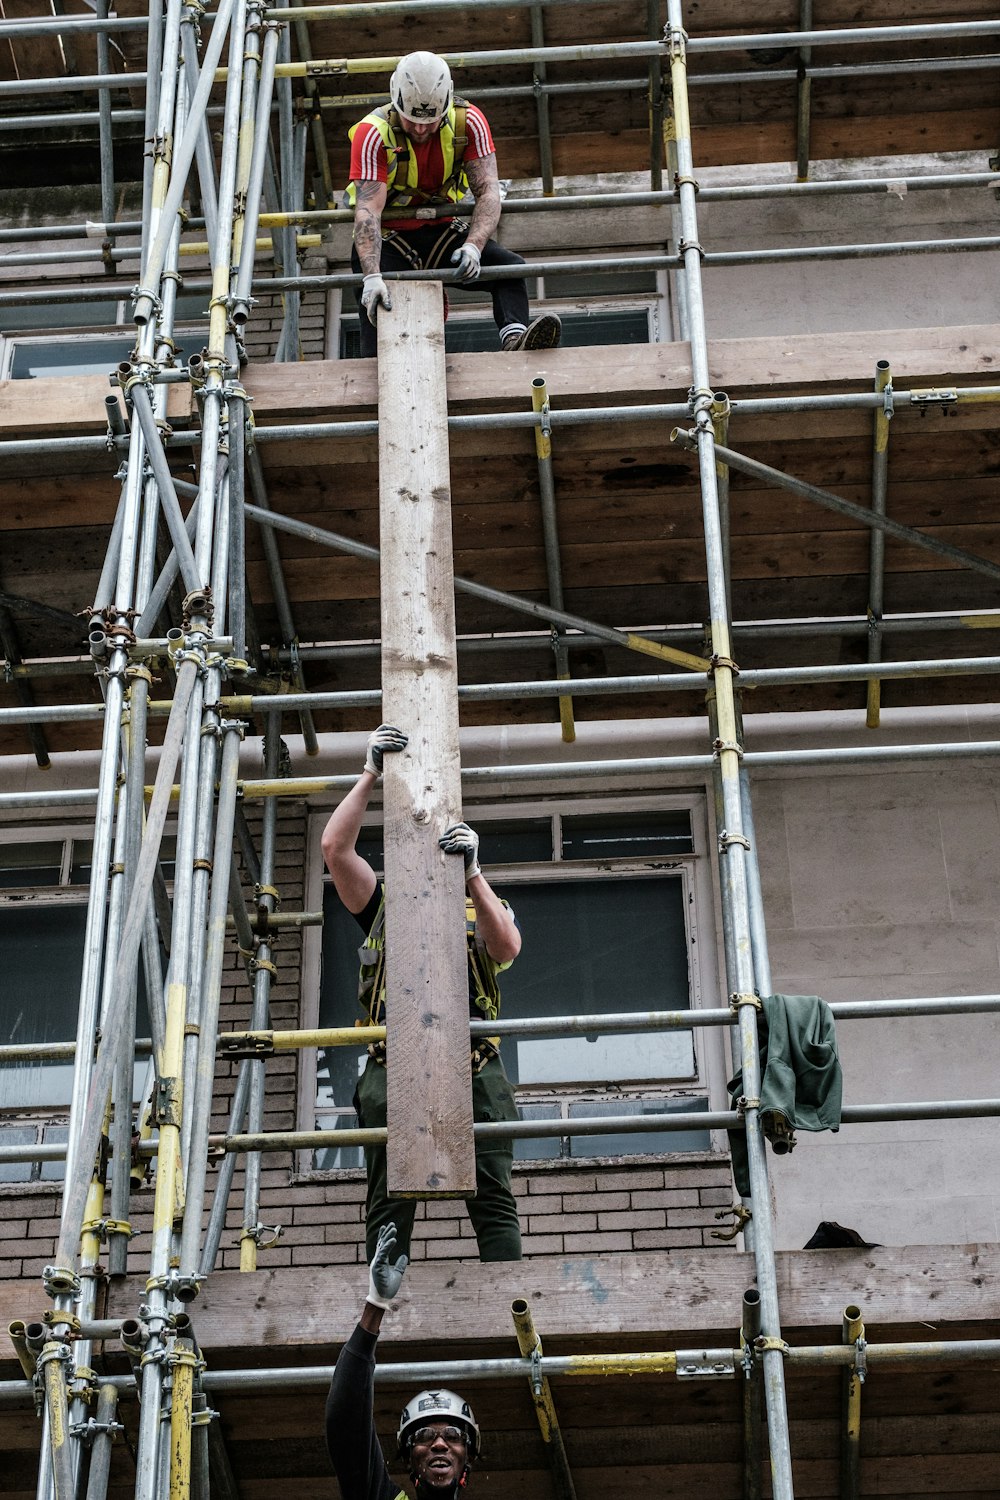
[384,1275]
[382,741]
[463,840]
[466,258]
[375,293]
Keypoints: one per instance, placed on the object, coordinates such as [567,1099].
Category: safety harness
[484,991]
[402,188]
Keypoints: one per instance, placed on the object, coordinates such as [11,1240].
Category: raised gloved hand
[374,293]
[382,741]
[463,840]
[385,1275]
[467,258]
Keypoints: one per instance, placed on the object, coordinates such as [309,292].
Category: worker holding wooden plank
[411,157]
[493,941]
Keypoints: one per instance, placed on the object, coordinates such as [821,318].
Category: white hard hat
[436,1406]
[421,88]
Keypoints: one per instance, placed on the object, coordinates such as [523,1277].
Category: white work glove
[383,740]
[373,293]
[463,840]
[384,1276]
[466,258]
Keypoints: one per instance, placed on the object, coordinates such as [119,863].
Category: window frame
[696,870]
[70,832]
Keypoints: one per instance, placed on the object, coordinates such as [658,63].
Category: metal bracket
[536,1377]
[744,997]
[861,1359]
[935,396]
[888,406]
[725,839]
[741,1216]
[247,1044]
[89,1430]
[264,1236]
[166,1107]
[765,1345]
[60,1280]
[698,1367]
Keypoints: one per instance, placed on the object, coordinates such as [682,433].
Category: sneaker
[544,333]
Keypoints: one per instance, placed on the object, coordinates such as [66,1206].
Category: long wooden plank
[430,1151]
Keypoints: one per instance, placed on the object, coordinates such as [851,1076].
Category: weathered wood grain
[430,1150]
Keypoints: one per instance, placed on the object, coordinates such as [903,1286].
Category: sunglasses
[429,1435]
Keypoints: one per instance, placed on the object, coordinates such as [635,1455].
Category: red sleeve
[368,158]
[477,128]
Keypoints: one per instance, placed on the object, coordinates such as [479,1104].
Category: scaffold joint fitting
[536,1378]
[66,1320]
[699,1367]
[861,1358]
[683,246]
[267,890]
[719,662]
[167,1102]
[247,1044]
[739,998]
[257,964]
[106,1229]
[675,41]
[934,396]
[718,746]
[741,1216]
[264,1236]
[888,405]
[726,839]
[60,1281]
[765,1344]
[745,1102]
[682,181]
[89,1430]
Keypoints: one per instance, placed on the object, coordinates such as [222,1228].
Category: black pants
[430,248]
[493,1210]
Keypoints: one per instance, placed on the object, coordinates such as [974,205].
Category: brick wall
[580,1207]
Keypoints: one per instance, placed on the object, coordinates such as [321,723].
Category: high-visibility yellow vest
[403,191]
[371,978]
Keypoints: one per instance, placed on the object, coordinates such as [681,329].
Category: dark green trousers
[493,1211]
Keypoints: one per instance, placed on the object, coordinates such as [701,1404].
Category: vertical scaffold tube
[752,1446]
[530,1346]
[550,534]
[200,1106]
[876,546]
[100,1448]
[850,1449]
[732,841]
[184,1362]
[266,901]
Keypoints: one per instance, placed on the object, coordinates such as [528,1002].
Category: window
[44,879]
[606,900]
[85,338]
[595,309]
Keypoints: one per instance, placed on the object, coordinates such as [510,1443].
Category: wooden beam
[430,1150]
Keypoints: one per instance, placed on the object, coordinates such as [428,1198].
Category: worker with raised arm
[422,150]
[493,941]
[438,1438]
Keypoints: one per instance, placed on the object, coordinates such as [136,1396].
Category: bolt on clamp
[861,1358]
[725,839]
[60,1281]
[741,1216]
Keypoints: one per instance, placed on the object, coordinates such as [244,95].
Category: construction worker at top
[493,941]
[424,149]
[438,1437]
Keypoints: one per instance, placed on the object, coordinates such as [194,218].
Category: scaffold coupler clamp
[264,1236]
[726,839]
[888,404]
[61,1281]
[675,41]
[861,1358]
[765,1344]
[536,1377]
[739,998]
[741,1217]
[91,1429]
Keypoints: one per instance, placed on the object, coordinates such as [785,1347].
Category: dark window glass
[30,864]
[58,315]
[526,841]
[646,835]
[641,1143]
[69,357]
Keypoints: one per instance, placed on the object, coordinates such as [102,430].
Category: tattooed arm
[485,185]
[368,206]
